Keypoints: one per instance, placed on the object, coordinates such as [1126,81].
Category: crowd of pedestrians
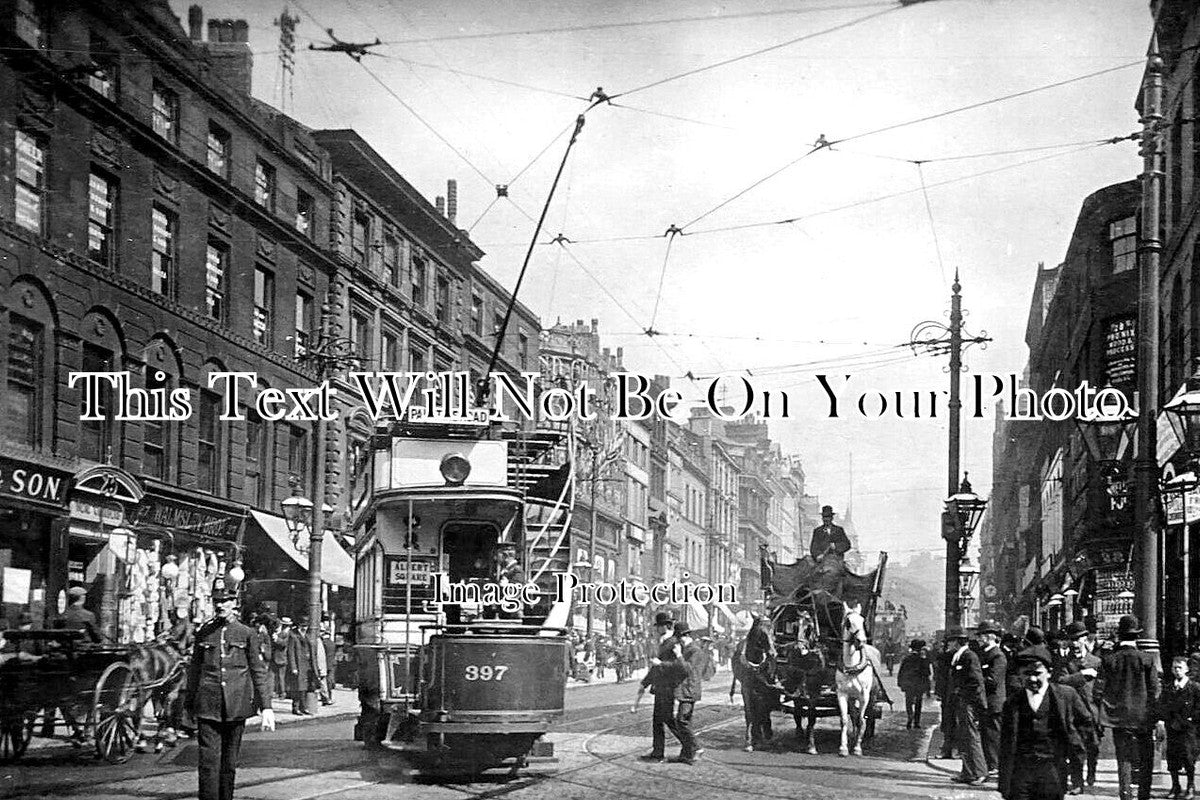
[1030,712]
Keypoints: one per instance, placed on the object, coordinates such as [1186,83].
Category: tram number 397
[485,673]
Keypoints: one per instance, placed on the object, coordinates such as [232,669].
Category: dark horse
[807,674]
[163,667]
[754,664]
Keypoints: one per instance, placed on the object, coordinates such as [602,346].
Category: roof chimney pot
[452,201]
[195,23]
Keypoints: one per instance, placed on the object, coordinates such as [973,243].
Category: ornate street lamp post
[964,510]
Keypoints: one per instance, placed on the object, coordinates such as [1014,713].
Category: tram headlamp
[455,468]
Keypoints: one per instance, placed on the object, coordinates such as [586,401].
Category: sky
[870,254]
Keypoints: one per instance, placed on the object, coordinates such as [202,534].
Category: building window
[208,447]
[497,322]
[442,308]
[95,436]
[476,314]
[391,351]
[257,458]
[298,455]
[416,358]
[303,323]
[162,261]
[30,23]
[304,213]
[264,305]
[102,208]
[218,150]
[31,180]
[523,350]
[102,79]
[419,266]
[360,236]
[23,403]
[1123,236]
[264,185]
[216,267]
[391,260]
[155,454]
[164,116]
[360,335]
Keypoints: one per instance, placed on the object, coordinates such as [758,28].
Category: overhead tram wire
[937,247]
[779,46]
[640,23]
[830,144]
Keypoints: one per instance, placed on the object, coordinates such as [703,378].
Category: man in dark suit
[1125,693]
[662,679]
[1079,671]
[994,665]
[828,538]
[227,683]
[1037,732]
[964,686]
[689,670]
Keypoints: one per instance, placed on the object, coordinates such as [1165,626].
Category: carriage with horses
[811,654]
[102,691]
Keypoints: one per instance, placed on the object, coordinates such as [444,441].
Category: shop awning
[337,567]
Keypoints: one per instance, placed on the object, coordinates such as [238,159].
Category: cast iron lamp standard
[936,338]
[327,355]
[964,510]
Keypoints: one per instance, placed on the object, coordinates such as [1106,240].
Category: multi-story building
[1058,530]
[158,222]
[161,222]
[687,497]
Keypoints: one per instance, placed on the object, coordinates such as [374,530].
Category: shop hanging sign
[183,517]
[32,482]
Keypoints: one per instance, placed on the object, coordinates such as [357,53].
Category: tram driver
[506,569]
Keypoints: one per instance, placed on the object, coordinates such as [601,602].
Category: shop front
[33,508]
[276,565]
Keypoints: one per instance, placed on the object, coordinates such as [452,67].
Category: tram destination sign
[33,482]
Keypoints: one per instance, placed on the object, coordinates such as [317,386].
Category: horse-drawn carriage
[102,691]
[822,664]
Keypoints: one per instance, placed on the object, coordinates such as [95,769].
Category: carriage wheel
[15,734]
[117,711]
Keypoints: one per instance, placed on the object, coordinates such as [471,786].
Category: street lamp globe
[1106,436]
[1183,412]
[297,513]
[968,506]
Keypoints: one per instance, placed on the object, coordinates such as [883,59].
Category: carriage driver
[227,683]
[829,538]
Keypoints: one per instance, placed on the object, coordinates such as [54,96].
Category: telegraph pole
[1149,249]
[939,339]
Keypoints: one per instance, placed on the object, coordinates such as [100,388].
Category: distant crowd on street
[591,657]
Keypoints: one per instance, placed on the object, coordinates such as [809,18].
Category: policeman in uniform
[227,682]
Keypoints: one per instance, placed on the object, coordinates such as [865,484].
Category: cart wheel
[15,734]
[117,711]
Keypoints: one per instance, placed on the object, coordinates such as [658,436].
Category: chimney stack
[229,47]
[195,23]
[440,202]
[452,201]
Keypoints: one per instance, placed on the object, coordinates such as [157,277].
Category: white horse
[856,675]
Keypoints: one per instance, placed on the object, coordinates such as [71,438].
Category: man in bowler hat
[662,679]
[1037,732]
[994,666]
[227,683]
[964,685]
[1125,695]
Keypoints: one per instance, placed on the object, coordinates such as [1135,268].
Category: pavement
[345,704]
[1106,766]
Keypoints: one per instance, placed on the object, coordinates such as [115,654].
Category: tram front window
[469,546]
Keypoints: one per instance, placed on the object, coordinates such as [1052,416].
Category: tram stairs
[540,465]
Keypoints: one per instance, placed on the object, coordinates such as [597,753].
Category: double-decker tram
[461,531]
